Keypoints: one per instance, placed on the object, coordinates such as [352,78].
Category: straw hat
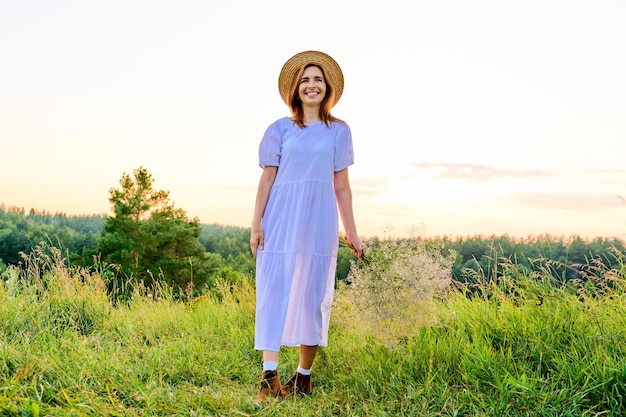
[332,71]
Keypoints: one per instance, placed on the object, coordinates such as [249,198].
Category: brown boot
[297,384]
[270,386]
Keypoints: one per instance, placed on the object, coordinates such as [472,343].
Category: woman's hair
[295,105]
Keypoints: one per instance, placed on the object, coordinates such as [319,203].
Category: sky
[468,117]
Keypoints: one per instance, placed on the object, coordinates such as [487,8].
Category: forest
[228,247]
[148,241]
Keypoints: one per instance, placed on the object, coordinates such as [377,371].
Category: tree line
[564,258]
[149,240]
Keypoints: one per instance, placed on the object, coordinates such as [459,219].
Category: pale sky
[468,117]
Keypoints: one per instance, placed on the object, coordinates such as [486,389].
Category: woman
[305,161]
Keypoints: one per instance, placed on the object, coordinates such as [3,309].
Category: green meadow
[404,341]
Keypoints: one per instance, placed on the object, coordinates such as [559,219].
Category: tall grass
[524,346]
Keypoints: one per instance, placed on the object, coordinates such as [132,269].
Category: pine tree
[150,239]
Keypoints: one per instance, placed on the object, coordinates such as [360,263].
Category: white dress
[295,272]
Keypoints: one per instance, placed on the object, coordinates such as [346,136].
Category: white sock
[304,371]
[270,365]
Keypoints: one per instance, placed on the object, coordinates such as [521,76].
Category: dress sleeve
[344,154]
[270,147]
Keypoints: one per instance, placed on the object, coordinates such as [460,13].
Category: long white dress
[295,272]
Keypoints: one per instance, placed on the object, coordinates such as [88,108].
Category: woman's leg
[307,356]
[270,355]
[300,381]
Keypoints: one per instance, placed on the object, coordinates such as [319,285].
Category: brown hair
[295,105]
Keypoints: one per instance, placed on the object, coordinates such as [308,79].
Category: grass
[527,348]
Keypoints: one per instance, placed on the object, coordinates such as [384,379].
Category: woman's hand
[256,239]
[358,246]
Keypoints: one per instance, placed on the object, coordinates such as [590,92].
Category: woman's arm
[343,193]
[262,195]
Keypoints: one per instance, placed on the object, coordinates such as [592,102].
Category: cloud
[369,186]
[565,201]
[477,172]
[620,172]
[606,177]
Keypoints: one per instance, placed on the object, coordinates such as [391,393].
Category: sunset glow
[498,118]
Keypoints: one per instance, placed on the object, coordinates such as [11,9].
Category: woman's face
[312,87]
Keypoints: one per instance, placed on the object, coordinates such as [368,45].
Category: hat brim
[332,72]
